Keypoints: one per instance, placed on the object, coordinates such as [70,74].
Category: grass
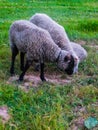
[50,106]
[47,106]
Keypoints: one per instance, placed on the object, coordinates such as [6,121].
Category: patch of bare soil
[94,46]
[81,42]
[32,80]
[4,114]
[81,114]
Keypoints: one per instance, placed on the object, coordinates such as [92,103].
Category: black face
[69,70]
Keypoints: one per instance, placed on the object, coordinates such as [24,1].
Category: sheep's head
[66,62]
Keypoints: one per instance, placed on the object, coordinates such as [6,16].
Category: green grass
[51,107]
[45,107]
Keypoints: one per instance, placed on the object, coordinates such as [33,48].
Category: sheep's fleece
[56,31]
[38,45]
[29,38]
[59,35]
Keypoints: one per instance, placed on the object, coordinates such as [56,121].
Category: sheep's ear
[68,57]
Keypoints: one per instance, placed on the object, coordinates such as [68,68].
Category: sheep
[25,37]
[58,34]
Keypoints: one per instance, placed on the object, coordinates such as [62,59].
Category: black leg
[42,72]
[14,54]
[37,67]
[27,65]
[22,60]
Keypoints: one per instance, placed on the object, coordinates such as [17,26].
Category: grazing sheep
[58,34]
[38,45]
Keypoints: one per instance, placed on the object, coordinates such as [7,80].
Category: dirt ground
[4,114]
[33,80]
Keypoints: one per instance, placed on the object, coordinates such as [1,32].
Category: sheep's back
[31,39]
[24,34]
[56,31]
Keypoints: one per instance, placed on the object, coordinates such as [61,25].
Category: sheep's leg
[42,72]
[22,60]
[27,65]
[14,54]
[37,67]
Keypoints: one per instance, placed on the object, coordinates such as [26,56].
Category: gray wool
[36,43]
[79,50]
[57,33]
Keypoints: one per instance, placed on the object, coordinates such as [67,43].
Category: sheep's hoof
[43,80]
[20,78]
[19,81]
[12,74]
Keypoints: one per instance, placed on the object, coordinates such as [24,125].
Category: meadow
[51,106]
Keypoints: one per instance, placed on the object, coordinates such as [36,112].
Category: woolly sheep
[38,45]
[58,34]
